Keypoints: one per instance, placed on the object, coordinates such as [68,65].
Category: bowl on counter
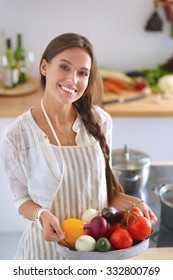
[110,255]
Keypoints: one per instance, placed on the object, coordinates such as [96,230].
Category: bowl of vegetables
[106,235]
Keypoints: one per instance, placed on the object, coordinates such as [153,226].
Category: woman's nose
[72,78]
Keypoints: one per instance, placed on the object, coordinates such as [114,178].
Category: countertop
[12,106]
[165,253]
[149,106]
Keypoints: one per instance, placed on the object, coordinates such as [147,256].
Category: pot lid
[129,159]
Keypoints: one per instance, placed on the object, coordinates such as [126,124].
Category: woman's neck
[59,114]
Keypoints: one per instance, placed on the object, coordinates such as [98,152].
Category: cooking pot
[165,193]
[132,168]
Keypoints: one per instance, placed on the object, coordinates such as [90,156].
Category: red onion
[97,227]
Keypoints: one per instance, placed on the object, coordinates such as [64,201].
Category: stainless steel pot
[132,168]
[166,197]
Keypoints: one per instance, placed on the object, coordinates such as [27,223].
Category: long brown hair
[90,96]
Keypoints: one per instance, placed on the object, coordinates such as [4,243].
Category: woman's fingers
[51,228]
[148,213]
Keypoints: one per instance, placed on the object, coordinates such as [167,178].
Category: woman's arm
[50,224]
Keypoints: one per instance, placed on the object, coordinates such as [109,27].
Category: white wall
[115,27]
[153,136]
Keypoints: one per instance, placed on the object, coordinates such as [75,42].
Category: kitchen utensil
[155,22]
[68,244]
[122,100]
[132,168]
[165,192]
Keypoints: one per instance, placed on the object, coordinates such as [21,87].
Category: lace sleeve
[15,174]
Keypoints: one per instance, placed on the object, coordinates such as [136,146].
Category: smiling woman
[67,75]
[57,154]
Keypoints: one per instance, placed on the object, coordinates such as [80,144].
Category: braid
[113,186]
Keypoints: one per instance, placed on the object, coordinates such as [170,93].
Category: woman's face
[67,75]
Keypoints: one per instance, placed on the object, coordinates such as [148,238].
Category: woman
[57,154]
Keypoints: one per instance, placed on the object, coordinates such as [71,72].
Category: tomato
[134,212]
[140,229]
[137,210]
[121,239]
[112,228]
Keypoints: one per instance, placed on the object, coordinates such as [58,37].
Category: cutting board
[30,86]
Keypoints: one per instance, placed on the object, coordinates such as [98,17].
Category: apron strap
[49,123]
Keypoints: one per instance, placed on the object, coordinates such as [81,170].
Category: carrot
[121,83]
[112,87]
[105,87]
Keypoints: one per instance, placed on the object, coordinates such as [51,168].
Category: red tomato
[121,239]
[135,212]
[112,228]
[140,229]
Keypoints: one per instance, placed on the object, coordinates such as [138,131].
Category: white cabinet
[153,136]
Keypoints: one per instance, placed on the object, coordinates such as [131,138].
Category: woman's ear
[43,67]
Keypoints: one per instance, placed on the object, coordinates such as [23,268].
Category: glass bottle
[10,72]
[20,58]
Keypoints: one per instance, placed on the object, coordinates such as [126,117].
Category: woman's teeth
[68,89]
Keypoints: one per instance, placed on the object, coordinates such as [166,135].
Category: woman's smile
[68,90]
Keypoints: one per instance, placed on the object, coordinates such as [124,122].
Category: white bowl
[110,255]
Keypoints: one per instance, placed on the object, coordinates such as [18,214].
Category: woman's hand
[148,213]
[123,201]
[51,228]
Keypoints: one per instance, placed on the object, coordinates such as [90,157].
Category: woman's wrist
[38,213]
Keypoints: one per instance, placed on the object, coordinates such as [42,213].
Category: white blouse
[30,161]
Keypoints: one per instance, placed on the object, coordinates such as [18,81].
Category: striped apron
[83,186]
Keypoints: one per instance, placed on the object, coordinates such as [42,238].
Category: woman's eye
[85,74]
[64,67]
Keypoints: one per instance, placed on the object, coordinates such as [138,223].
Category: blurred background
[116,29]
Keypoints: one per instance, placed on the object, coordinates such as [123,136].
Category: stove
[159,175]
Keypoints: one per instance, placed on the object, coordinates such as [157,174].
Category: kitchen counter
[165,253]
[12,106]
[149,106]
